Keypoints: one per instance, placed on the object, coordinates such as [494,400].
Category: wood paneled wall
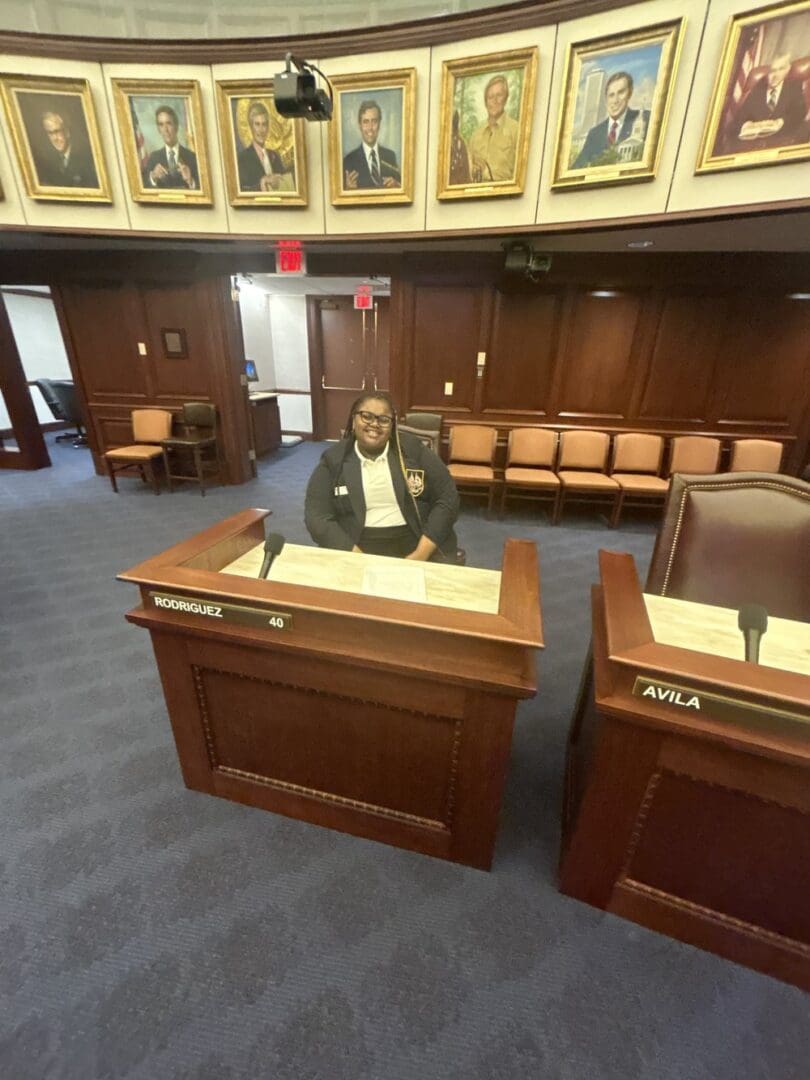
[113,332]
[654,357]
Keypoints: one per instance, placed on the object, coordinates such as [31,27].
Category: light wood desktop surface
[466,588]
[785,645]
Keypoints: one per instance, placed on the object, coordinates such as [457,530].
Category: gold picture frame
[758,112]
[163,140]
[55,135]
[390,97]
[486,111]
[616,97]
[248,123]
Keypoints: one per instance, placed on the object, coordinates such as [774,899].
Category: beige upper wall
[675,188]
[276,220]
[395,217]
[645,197]
[766,184]
[504,210]
[72,215]
[148,217]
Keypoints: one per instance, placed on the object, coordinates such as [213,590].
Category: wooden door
[348,355]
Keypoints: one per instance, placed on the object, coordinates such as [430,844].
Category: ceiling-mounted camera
[296,95]
[521,259]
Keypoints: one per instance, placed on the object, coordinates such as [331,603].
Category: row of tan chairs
[573,465]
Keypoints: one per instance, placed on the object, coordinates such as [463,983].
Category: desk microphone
[753,621]
[273,546]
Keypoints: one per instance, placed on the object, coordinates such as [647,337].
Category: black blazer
[173,180]
[596,141]
[79,172]
[356,162]
[335,508]
[250,168]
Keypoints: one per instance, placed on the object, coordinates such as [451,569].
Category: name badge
[342,490]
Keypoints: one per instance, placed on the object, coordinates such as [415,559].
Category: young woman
[381,491]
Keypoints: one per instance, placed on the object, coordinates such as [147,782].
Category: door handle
[355,389]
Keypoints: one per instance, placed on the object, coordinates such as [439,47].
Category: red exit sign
[290,257]
[363,298]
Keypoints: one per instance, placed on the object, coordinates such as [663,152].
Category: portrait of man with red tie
[621,123]
[615,102]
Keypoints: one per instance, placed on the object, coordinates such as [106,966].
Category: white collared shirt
[382,508]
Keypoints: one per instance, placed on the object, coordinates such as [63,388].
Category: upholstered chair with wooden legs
[636,464]
[581,469]
[149,427]
[694,454]
[530,454]
[471,458]
[755,455]
[195,446]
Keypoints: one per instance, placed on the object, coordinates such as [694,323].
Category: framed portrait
[486,117]
[371,138]
[263,151]
[614,106]
[163,139]
[760,107]
[53,127]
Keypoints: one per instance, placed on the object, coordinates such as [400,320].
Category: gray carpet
[151,932]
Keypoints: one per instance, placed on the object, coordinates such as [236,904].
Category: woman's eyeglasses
[373,418]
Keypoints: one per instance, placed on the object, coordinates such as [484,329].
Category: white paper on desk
[402,581]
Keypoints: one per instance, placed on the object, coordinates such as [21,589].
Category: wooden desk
[265,421]
[687,804]
[381,716]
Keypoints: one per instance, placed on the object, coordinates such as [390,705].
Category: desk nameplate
[233,613]
[696,702]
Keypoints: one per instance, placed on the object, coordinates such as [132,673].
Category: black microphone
[753,621]
[273,546]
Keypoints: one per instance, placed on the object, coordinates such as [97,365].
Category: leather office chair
[471,458]
[196,444]
[149,426]
[530,454]
[755,455]
[425,426]
[581,468]
[60,397]
[733,539]
[636,463]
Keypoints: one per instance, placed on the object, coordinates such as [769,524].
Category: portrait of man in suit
[604,140]
[759,110]
[370,165]
[173,165]
[260,167]
[61,160]
[774,110]
[615,102]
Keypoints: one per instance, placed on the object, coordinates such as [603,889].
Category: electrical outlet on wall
[448,389]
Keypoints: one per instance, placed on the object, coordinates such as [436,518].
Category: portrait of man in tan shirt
[493,146]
